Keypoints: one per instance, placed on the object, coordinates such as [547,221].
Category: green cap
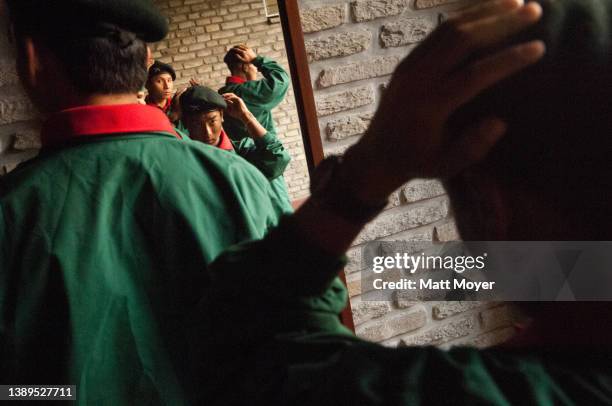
[83,17]
[200,99]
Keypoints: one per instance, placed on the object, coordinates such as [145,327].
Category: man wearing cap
[260,96]
[160,89]
[105,237]
[203,115]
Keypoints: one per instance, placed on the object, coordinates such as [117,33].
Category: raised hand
[408,136]
[244,53]
[235,106]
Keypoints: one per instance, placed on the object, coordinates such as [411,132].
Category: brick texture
[405,31]
[340,44]
[372,68]
[322,18]
[365,10]
[346,100]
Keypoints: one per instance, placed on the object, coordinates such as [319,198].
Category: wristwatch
[331,192]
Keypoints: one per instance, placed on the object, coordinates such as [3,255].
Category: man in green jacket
[203,116]
[260,96]
[160,89]
[105,236]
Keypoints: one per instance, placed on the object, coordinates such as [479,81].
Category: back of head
[559,139]
[99,43]
[232,61]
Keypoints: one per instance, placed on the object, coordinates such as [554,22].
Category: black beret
[80,17]
[557,110]
[160,67]
[200,99]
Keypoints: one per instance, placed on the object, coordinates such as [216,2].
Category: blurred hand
[410,139]
[245,54]
[194,82]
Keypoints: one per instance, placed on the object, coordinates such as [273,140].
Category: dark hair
[104,59]
[231,60]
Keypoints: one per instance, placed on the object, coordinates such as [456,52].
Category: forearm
[369,184]
[254,128]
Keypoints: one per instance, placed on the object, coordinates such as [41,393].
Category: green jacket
[105,240]
[260,96]
[278,341]
[266,153]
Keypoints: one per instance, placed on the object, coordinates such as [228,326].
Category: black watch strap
[334,194]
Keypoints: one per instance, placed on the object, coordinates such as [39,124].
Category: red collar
[90,121]
[166,106]
[235,80]
[224,142]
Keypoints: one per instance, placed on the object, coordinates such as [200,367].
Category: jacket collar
[166,107]
[224,142]
[235,80]
[85,122]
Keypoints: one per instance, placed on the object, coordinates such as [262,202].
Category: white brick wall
[353,47]
[201,32]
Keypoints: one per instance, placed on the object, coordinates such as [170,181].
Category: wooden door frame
[305,101]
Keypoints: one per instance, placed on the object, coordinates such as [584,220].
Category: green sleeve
[271,90]
[288,266]
[266,153]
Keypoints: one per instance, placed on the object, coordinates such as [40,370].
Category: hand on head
[411,139]
[235,106]
[244,53]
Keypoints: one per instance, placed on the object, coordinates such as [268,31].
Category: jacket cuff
[267,139]
[258,62]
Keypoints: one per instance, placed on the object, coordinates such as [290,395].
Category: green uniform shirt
[260,96]
[105,240]
[265,153]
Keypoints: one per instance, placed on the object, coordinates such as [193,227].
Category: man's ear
[221,115]
[149,61]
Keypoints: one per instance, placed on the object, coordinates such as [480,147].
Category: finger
[484,9]
[492,29]
[471,147]
[458,41]
[473,79]
[241,55]
[453,41]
